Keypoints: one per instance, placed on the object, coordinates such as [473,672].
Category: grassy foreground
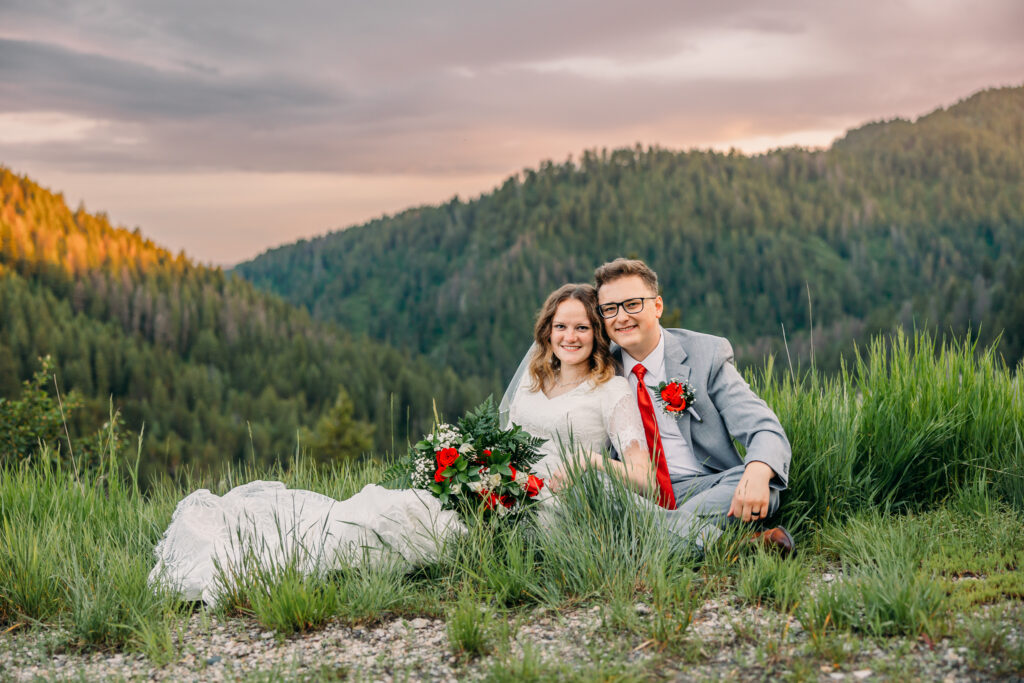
[907,487]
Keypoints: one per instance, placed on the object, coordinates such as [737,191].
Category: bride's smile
[572,336]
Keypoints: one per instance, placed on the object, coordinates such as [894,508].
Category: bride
[572,398]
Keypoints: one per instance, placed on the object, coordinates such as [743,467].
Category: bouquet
[474,463]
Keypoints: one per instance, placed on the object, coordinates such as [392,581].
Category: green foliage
[75,550]
[897,223]
[216,371]
[914,423]
[771,579]
[338,435]
[295,603]
[482,425]
[29,567]
[34,418]
[892,599]
[992,643]
[469,627]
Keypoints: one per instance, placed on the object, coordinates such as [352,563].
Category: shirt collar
[655,361]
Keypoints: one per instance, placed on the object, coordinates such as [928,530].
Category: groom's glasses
[611,309]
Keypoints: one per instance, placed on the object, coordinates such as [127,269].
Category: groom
[699,471]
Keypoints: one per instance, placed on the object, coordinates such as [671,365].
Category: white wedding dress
[277,525]
[588,418]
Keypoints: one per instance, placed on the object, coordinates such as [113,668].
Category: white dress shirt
[678,454]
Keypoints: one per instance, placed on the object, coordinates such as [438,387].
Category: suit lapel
[676,368]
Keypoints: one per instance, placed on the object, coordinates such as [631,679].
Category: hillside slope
[919,223]
[217,370]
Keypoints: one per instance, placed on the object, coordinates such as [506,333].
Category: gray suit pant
[702,503]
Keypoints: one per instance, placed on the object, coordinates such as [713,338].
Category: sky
[225,128]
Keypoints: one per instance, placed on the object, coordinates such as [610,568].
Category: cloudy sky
[225,127]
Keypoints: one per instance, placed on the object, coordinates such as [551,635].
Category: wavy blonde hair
[545,366]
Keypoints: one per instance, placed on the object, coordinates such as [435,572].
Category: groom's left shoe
[776,538]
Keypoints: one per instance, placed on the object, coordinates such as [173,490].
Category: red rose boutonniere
[676,398]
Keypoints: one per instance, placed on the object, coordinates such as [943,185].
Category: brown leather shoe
[776,538]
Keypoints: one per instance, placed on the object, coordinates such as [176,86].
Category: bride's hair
[544,365]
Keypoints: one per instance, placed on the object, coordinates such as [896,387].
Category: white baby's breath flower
[445,436]
[475,486]
[455,488]
[493,480]
[466,448]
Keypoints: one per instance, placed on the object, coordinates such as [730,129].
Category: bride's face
[572,336]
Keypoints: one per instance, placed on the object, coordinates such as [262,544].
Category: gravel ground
[726,641]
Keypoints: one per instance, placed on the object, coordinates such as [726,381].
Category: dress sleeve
[622,416]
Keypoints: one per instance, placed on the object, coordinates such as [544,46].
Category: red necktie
[666,498]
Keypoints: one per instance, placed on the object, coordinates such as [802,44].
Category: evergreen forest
[348,343]
[914,224]
[215,371]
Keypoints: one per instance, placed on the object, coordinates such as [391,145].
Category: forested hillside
[200,357]
[919,223]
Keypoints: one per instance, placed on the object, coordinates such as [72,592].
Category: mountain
[919,223]
[216,370]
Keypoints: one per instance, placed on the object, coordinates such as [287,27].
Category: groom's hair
[544,366]
[624,267]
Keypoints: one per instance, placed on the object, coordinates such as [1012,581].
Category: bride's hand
[557,479]
[560,477]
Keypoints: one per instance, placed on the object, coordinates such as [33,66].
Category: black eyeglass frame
[622,304]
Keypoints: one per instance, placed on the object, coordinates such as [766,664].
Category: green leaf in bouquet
[443,498]
[399,474]
[436,489]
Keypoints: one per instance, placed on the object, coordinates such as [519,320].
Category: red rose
[439,475]
[533,486]
[508,501]
[446,456]
[513,472]
[487,453]
[672,395]
[490,500]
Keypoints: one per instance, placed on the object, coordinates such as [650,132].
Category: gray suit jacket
[728,408]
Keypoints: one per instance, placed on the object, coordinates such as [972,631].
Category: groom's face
[637,333]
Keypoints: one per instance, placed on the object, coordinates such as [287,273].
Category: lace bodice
[590,417]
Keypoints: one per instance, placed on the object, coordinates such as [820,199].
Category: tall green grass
[910,427]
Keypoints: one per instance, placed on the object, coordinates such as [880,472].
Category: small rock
[826,668]
[837,676]
[828,578]
[642,609]
[861,674]
[419,622]
[213,660]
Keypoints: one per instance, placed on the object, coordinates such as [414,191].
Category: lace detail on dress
[625,426]
[590,417]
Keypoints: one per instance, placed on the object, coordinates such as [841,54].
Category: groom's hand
[750,501]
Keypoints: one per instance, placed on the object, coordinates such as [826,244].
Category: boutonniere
[676,398]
